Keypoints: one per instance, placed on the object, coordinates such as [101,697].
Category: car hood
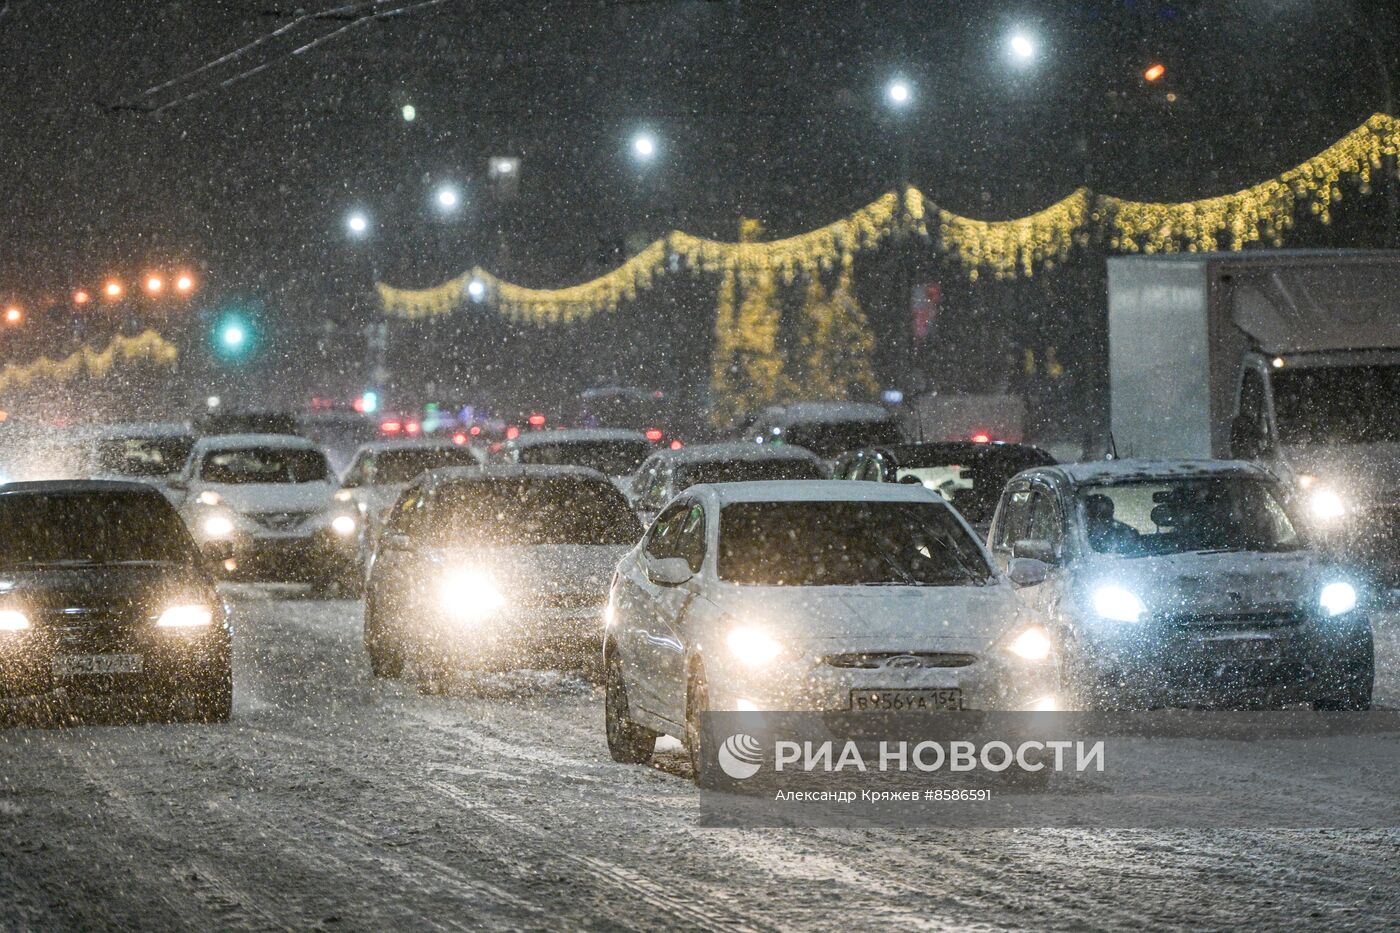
[135,588]
[1204,582]
[545,569]
[898,618]
[274,497]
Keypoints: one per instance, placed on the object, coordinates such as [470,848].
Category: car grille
[894,660]
[1289,617]
[280,521]
[84,631]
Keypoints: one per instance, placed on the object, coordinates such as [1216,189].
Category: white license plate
[67,665]
[906,700]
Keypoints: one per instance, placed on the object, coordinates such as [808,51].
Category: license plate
[1243,649]
[907,700]
[68,665]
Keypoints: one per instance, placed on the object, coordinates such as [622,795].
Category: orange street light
[153,284]
[13,315]
[113,289]
[184,283]
[80,297]
[1154,72]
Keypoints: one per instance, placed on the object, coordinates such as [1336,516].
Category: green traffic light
[233,336]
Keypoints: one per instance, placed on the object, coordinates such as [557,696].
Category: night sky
[766,109]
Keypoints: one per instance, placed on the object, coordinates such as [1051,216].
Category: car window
[744,471]
[530,511]
[91,528]
[662,540]
[614,458]
[870,469]
[1228,513]
[247,465]
[1015,518]
[143,456]
[361,472]
[689,542]
[403,466]
[1044,522]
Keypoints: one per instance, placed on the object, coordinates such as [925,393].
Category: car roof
[828,411]
[1108,472]
[813,490]
[80,486]
[512,471]
[736,450]
[911,453]
[145,429]
[242,441]
[421,444]
[580,435]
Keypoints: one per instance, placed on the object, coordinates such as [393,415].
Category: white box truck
[1291,357]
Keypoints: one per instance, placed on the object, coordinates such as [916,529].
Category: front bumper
[287,557]
[172,662]
[518,637]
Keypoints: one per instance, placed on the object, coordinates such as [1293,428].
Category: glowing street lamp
[154,285]
[447,199]
[357,223]
[1154,71]
[81,297]
[13,315]
[899,93]
[113,289]
[476,289]
[410,113]
[644,147]
[184,284]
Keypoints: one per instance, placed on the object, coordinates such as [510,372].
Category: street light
[898,92]
[1022,47]
[476,289]
[644,146]
[154,285]
[80,297]
[13,315]
[357,223]
[448,198]
[113,289]
[410,113]
[184,283]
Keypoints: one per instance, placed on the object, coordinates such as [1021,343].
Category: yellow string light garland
[97,364]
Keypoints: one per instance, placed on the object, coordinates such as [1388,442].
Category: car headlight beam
[217,526]
[12,620]
[470,595]
[1325,505]
[343,525]
[1118,604]
[1337,598]
[185,616]
[751,646]
[1033,644]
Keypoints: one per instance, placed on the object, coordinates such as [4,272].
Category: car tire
[385,654]
[431,668]
[1349,690]
[628,743]
[697,701]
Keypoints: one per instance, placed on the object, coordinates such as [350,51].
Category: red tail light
[537,420]
[676,445]
[459,438]
[390,427]
[654,434]
[512,433]
[413,427]
[981,437]
[475,430]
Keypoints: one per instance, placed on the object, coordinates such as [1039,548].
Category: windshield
[1337,404]
[143,456]
[402,466]
[972,485]
[1178,516]
[613,458]
[83,528]
[846,544]
[832,438]
[744,471]
[522,512]
[264,465]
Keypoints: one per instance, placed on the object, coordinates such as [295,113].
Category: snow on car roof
[830,411]
[514,471]
[145,429]
[241,441]
[78,486]
[815,490]
[428,443]
[1124,471]
[579,435]
[713,453]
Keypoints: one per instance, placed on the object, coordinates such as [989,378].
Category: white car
[614,452]
[813,595]
[270,498]
[380,471]
[498,568]
[1180,582]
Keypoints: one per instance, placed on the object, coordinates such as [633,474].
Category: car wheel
[697,701]
[628,742]
[432,668]
[385,655]
[1348,689]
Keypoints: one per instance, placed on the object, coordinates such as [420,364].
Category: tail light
[654,435]
[512,433]
[537,420]
[412,427]
[459,438]
[391,427]
[474,430]
[676,444]
[981,437]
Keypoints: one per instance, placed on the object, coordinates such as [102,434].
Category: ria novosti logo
[740,756]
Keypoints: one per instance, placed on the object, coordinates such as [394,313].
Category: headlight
[751,646]
[470,595]
[1033,644]
[217,526]
[12,620]
[191,616]
[1337,598]
[209,497]
[1116,603]
[343,525]
[343,495]
[1325,505]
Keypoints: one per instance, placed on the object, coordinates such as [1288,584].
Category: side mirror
[1034,549]
[669,571]
[1027,571]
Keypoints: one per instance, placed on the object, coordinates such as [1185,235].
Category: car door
[645,640]
[1046,523]
[395,565]
[687,541]
[1011,522]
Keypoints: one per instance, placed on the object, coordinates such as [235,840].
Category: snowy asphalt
[335,802]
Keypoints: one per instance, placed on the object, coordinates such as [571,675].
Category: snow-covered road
[332,801]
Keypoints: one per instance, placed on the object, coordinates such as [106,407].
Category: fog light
[1338,598]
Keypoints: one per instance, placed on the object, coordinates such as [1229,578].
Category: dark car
[247,422]
[968,474]
[103,591]
[496,568]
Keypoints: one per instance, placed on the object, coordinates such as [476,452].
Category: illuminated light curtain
[1007,248]
[147,346]
[748,362]
[834,346]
